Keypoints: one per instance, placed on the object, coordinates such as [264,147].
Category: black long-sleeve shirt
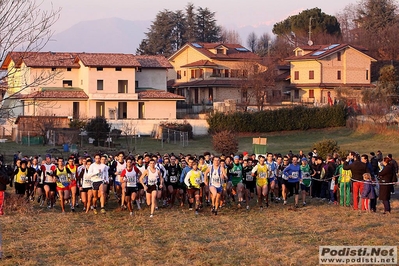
[357,168]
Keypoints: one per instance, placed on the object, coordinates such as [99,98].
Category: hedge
[296,118]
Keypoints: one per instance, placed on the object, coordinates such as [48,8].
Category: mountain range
[116,35]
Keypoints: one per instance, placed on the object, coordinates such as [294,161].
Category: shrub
[98,128]
[225,142]
[326,146]
[185,127]
[296,118]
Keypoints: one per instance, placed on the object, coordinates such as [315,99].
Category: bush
[325,147]
[98,128]
[185,127]
[225,142]
[296,118]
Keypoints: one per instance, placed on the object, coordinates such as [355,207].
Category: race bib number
[249,177]
[173,179]
[294,175]
[216,182]
[306,175]
[152,182]
[63,178]
[23,178]
[131,182]
[198,181]
[262,175]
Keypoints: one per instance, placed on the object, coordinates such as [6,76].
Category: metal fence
[176,137]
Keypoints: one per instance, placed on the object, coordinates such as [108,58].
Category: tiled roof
[153,61]
[323,51]
[108,60]
[57,93]
[157,94]
[208,83]
[331,85]
[200,63]
[41,59]
[234,51]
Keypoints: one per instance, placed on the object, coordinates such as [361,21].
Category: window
[219,51]
[245,95]
[184,72]
[141,110]
[311,93]
[216,73]
[53,69]
[296,75]
[311,74]
[367,74]
[100,107]
[100,84]
[67,83]
[122,86]
[178,74]
[136,84]
[201,75]
[245,73]
[118,69]
[75,108]
[339,74]
[81,82]
[122,110]
[99,69]
[296,94]
[69,69]
[339,56]
[226,73]
[193,73]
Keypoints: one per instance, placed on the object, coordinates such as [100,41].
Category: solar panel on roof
[242,49]
[331,46]
[318,53]
[196,45]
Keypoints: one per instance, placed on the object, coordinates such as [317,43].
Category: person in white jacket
[98,173]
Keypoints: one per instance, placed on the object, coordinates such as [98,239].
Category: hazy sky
[231,14]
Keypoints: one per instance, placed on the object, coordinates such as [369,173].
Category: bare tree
[24,27]
[230,36]
[252,42]
[130,131]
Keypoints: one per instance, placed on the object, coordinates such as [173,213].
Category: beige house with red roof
[211,72]
[317,71]
[85,85]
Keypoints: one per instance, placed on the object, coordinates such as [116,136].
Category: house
[212,72]
[316,72]
[85,85]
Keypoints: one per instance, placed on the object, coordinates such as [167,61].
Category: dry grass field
[278,235]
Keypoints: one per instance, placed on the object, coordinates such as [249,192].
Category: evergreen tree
[207,30]
[191,26]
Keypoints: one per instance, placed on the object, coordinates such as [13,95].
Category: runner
[73,186]
[117,168]
[141,194]
[236,179]
[193,183]
[173,171]
[130,176]
[214,177]
[249,181]
[306,180]
[62,175]
[86,184]
[96,175]
[183,188]
[153,176]
[48,169]
[260,171]
[20,178]
[272,179]
[293,172]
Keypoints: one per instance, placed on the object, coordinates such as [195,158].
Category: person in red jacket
[358,168]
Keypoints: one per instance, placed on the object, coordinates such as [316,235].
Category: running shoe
[248,207]
[95,211]
[285,202]
[72,209]
[103,211]
[304,203]
[131,213]
[296,206]
[196,212]
[151,215]
[190,209]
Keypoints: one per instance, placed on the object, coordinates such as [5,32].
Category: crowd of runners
[200,183]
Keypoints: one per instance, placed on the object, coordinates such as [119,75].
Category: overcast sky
[230,14]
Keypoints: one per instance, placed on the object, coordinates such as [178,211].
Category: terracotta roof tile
[232,52]
[153,61]
[200,63]
[57,93]
[208,83]
[108,60]
[157,94]
[41,59]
